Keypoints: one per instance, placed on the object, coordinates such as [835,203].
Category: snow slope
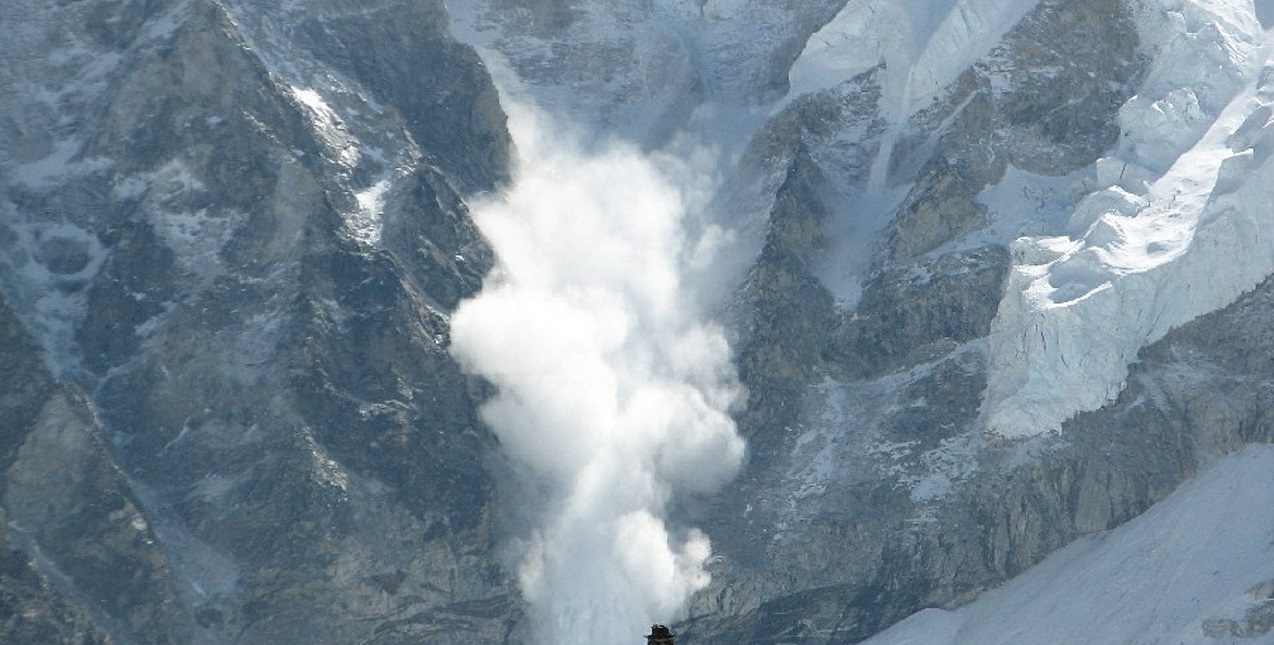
[1200,559]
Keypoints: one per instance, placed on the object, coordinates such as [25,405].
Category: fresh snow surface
[1026,204]
[1181,228]
[1194,556]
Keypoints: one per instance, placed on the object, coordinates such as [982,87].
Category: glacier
[1178,232]
[1119,256]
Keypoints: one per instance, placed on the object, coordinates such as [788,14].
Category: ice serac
[1175,227]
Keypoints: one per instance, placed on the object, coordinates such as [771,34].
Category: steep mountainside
[232,416]
[995,278]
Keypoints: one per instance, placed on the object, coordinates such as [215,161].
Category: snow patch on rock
[329,126]
[195,235]
[366,223]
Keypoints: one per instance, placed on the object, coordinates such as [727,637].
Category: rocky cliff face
[232,234]
[231,416]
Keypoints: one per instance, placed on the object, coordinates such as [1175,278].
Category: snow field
[1195,556]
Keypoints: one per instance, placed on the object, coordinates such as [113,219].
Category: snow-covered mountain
[401,322]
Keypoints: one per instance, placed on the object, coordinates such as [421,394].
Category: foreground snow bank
[1191,566]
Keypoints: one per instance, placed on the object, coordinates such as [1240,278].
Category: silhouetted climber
[660,635]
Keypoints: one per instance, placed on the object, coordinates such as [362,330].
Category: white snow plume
[612,385]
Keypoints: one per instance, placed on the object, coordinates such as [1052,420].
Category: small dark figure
[660,635]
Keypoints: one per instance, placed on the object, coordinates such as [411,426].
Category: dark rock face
[31,609]
[785,314]
[260,436]
[909,316]
[789,310]
[393,49]
[84,519]
[24,385]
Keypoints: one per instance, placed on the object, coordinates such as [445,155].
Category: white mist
[612,384]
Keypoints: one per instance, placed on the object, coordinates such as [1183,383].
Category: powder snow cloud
[612,384]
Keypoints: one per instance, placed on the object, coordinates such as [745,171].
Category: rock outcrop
[247,427]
